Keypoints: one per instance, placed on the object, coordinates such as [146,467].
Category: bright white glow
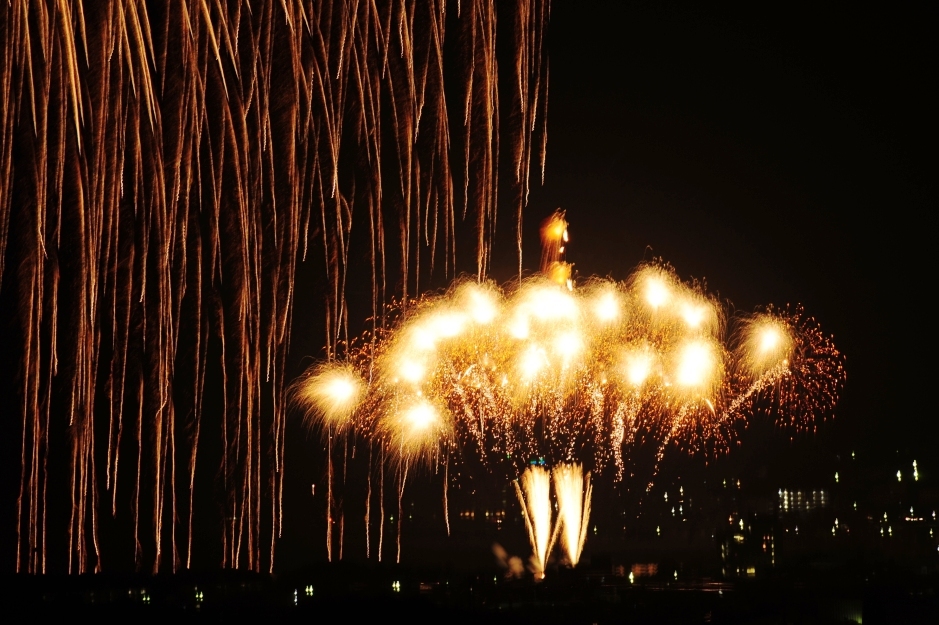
[341,389]
[551,303]
[421,339]
[518,328]
[532,361]
[637,366]
[693,314]
[696,364]
[482,307]
[657,292]
[770,338]
[607,307]
[573,492]
[534,493]
[411,371]
[421,416]
[334,392]
[568,345]
[448,325]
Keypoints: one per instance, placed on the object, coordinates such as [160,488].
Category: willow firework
[163,169]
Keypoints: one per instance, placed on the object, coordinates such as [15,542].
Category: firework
[543,371]
[573,492]
[570,374]
[164,167]
[534,495]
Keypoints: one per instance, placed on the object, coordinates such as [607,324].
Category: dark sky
[784,156]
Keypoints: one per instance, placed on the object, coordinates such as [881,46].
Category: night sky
[784,157]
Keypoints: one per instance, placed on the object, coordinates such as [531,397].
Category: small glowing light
[769,339]
[899,476]
[447,325]
[696,364]
[334,392]
[532,362]
[658,530]
[657,292]
[482,306]
[607,307]
[550,302]
[632,578]
[411,371]
[421,416]
[555,228]
[421,339]
[568,345]
[638,366]
[518,328]
[836,477]
[693,314]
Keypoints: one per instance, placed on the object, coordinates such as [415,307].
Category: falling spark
[164,169]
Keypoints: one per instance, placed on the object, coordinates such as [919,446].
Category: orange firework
[166,166]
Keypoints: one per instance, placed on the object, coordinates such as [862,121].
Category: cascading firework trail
[494,377]
[163,169]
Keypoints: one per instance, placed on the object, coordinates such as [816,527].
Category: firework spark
[534,495]
[163,169]
[570,375]
[543,371]
[573,491]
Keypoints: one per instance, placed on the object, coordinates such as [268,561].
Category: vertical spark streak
[402,478]
[534,495]
[190,156]
[329,498]
[368,507]
[573,490]
[381,499]
[446,484]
